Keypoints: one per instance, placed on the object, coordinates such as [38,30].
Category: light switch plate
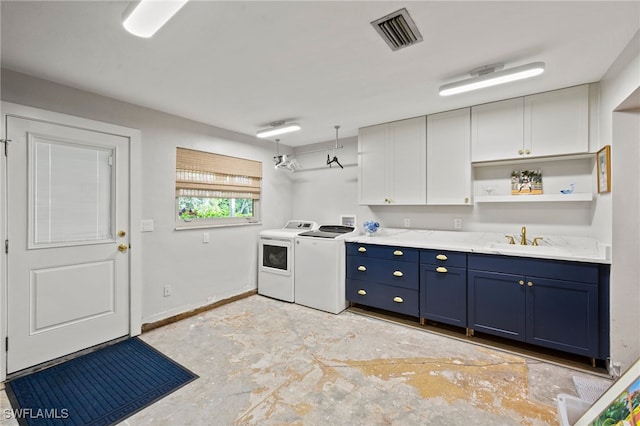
[146,225]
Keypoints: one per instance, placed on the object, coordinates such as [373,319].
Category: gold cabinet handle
[398,299]
[441,269]
[520,152]
[441,257]
[529,283]
[527,151]
[122,248]
[521,282]
[362,249]
[362,268]
[362,292]
[397,274]
[398,253]
[121,233]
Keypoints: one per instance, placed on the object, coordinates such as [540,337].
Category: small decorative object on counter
[370,227]
[572,186]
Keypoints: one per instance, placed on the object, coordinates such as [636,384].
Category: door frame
[135,209]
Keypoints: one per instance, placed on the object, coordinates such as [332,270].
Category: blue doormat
[99,388]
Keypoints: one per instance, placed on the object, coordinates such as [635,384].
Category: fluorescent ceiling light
[145,17]
[492,78]
[278,128]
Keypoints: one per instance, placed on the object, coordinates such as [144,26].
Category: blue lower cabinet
[443,294]
[553,313]
[383,277]
[497,304]
[563,315]
[394,299]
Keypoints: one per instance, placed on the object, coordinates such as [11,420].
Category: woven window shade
[207,175]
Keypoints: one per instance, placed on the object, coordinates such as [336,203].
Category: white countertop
[551,247]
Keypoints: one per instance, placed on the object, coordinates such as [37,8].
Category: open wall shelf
[533,198]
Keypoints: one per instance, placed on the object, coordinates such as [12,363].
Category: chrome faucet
[523,236]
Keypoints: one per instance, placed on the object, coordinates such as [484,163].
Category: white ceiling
[240,65]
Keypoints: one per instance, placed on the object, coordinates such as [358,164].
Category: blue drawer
[394,299]
[444,258]
[383,252]
[388,272]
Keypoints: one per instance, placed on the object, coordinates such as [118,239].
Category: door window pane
[72,192]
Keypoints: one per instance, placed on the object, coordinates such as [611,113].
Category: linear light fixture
[278,128]
[145,17]
[487,76]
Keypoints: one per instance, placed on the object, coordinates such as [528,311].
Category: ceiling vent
[398,29]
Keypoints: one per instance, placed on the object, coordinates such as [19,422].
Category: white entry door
[68,260]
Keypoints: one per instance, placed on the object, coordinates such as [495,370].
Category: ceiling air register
[398,29]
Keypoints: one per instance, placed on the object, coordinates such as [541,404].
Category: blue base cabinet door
[443,294]
[563,315]
[497,304]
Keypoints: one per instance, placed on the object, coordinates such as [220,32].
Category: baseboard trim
[175,318]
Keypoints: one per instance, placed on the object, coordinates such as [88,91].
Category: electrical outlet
[167,291]
[407,222]
[205,238]
[457,223]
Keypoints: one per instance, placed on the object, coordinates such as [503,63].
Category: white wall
[321,193]
[622,131]
[199,273]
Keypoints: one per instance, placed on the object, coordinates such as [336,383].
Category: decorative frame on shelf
[603,160]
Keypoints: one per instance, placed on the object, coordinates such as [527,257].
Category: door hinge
[6,146]
[6,344]
[6,246]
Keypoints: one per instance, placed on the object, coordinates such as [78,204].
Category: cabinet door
[408,161]
[449,158]
[557,122]
[443,294]
[497,304]
[372,164]
[497,130]
[563,315]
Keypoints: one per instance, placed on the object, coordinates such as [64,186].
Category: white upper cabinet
[448,158]
[546,124]
[392,163]
[497,130]
[557,122]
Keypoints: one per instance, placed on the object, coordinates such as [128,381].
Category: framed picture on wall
[603,159]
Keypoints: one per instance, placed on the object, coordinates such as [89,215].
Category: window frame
[214,222]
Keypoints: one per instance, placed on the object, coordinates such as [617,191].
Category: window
[215,190]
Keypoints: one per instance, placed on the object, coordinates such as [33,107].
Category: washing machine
[276,259]
[320,268]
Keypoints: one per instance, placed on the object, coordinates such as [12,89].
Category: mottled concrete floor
[265,362]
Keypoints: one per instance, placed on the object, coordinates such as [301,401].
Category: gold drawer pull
[398,299]
[362,292]
[397,274]
[521,282]
[361,268]
[441,257]
[529,283]
[362,249]
[398,253]
[441,269]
